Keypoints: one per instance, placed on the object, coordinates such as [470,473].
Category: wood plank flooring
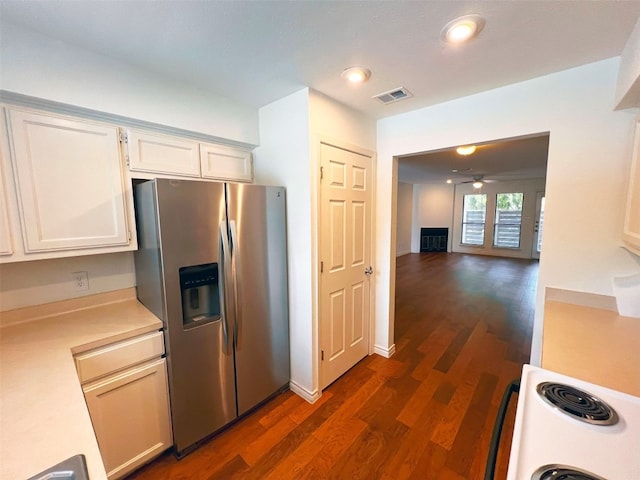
[462,332]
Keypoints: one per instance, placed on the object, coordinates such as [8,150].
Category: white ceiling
[256,52]
[498,160]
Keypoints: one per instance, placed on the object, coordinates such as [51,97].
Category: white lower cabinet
[129,409]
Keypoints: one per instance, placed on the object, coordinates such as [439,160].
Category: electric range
[569,429]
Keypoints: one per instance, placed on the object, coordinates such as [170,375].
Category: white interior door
[538,225]
[345,256]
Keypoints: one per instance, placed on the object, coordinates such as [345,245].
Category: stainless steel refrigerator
[211,265]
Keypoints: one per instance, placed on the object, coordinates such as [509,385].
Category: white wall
[432,207]
[589,156]
[283,159]
[628,86]
[404,218]
[333,120]
[39,66]
[32,283]
[290,131]
[529,188]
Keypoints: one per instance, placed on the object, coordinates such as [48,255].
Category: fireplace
[434,239]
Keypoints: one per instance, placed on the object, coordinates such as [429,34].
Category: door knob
[368,270]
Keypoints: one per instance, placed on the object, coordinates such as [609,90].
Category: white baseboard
[403,252]
[311,397]
[385,352]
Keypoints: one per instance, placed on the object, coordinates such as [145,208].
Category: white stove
[570,429]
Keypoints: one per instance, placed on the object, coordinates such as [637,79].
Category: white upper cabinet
[69,186]
[149,152]
[226,163]
[153,154]
[631,231]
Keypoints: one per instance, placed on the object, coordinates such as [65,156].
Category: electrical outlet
[80,281]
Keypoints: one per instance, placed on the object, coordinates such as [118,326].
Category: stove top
[577,403]
[568,429]
[563,472]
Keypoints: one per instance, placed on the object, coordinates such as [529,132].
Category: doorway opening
[491,202]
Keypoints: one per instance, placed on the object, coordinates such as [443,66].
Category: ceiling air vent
[393,95]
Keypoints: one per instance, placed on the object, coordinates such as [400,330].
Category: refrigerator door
[189,215]
[257,225]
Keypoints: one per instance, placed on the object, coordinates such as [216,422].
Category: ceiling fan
[478,181]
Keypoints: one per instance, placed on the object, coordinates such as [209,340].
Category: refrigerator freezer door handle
[237,330]
[225,264]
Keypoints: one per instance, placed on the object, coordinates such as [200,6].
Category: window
[473,217]
[506,232]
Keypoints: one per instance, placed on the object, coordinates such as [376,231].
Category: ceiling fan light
[466,149]
[477,184]
[461,29]
[356,74]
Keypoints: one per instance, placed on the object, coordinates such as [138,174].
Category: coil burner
[563,472]
[578,404]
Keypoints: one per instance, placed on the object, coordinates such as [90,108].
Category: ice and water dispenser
[200,296]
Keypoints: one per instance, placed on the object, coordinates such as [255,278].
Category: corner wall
[283,158]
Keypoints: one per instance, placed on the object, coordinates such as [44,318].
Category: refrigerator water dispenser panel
[200,295]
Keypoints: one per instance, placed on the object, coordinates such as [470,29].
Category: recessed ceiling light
[449,180]
[466,150]
[356,74]
[461,29]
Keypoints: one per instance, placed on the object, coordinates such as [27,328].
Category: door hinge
[123,137]
[126,160]
[321,267]
[321,354]
[321,173]
[129,234]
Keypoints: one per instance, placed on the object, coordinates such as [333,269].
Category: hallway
[463,330]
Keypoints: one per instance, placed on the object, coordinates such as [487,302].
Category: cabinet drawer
[111,358]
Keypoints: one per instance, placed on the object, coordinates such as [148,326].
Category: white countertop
[43,415]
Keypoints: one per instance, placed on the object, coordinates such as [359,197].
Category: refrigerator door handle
[237,330]
[225,264]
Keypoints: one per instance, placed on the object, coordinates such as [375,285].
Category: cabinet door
[226,163]
[130,415]
[6,245]
[70,183]
[631,232]
[156,153]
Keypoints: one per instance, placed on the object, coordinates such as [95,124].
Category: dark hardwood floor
[462,332]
